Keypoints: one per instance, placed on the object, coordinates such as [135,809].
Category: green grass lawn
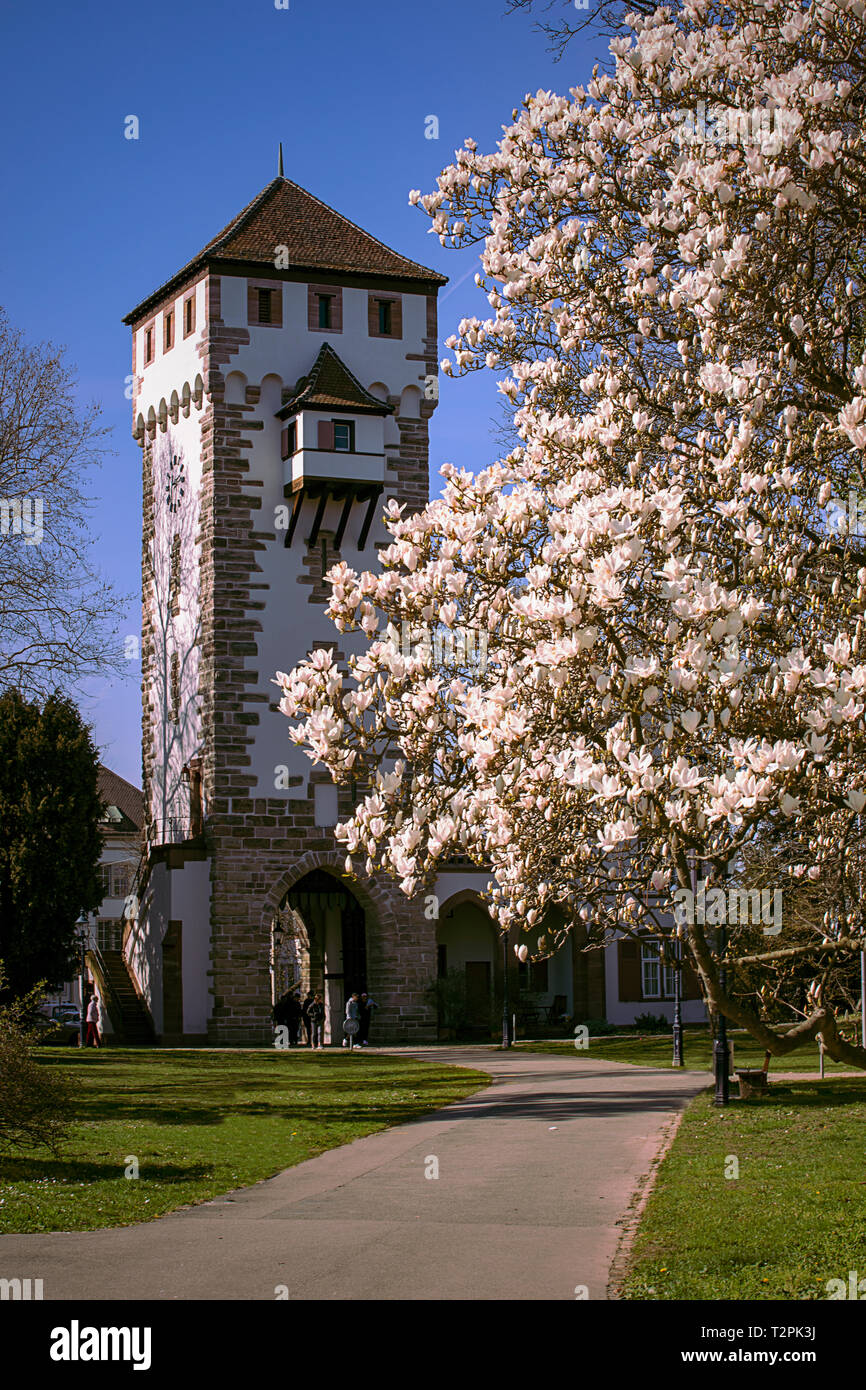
[655,1050]
[794,1218]
[202,1123]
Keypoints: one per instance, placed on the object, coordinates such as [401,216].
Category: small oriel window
[148,345]
[325,310]
[265,307]
[385,316]
[168,330]
[188,315]
[344,436]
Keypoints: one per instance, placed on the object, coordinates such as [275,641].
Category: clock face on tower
[175,484]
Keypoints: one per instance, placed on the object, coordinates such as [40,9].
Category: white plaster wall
[175,743]
[618,1011]
[144,946]
[169,370]
[277,357]
[369,430]
[190,904]
[449,882]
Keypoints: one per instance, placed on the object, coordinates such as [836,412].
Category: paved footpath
[534,1174]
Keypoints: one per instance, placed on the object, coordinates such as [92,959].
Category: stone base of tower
[348,934]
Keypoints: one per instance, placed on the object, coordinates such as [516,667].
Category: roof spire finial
[280,161]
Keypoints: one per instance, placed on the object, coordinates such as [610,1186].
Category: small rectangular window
[344,436]
[148,345]
[385,316]
[289,439]
[657,975]
[168,331]
[324,311]
[188,315]
[265,314]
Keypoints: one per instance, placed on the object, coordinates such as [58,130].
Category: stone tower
[282,385]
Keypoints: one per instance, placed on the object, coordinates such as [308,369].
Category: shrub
[652,1023]
[34,1101]
[599,1026]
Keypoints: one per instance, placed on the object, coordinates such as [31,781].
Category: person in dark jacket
[316,1015]
[305,1016]
[367,1005]
[294,1019]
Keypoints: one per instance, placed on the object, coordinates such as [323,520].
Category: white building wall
[190,904]
[626,1011]
[144,944]
[276,358]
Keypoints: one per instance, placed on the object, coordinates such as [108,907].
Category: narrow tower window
[325,310]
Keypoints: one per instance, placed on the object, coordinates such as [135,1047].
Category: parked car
[66,1011]
[57,1031]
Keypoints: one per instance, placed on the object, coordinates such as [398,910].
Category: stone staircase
[134,1026]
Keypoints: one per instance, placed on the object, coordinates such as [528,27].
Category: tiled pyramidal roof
[331,386]
[316,237]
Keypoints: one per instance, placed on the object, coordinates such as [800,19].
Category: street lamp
[82,933]
[678,996]
[721,1050]
[506,1035]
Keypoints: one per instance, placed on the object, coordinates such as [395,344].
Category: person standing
[101,1018]
[353,1015]
[294,1010]
[367,1005]
[92,1018]
[305,1016]
[316,1015]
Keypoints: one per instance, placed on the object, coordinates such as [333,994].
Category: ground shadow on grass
[216,1107]
[820,1095]
[68,1170]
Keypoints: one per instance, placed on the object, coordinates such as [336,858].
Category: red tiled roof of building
[315,236]
[331,386]
[115,791]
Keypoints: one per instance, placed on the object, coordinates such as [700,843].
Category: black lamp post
[82,933]
[506,1032]
[678,998]
[721,1051]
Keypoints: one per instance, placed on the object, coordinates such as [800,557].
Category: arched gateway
[320,939]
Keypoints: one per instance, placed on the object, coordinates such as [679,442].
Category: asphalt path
[515,1192]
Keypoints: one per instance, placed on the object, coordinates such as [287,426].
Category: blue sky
[93,222]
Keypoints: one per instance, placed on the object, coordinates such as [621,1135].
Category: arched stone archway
[339,948]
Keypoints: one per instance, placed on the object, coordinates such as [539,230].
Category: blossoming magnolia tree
[673,620]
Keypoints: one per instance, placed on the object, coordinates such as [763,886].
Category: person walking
[353,1013]
[305,1017]
[367,1005]
[92,1019]
[316,1015]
